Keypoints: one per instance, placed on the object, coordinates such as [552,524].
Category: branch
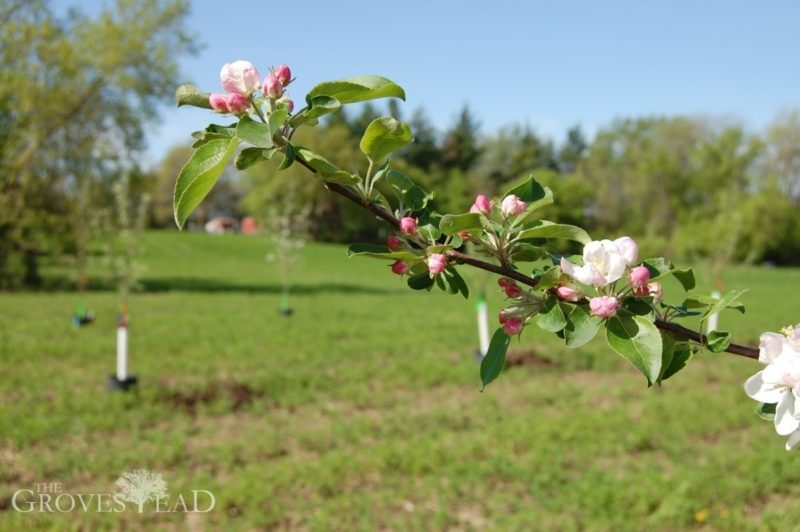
[678,330]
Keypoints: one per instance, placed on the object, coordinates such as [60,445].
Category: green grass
[362,410]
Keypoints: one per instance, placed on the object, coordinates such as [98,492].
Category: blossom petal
[785,422]
[794,439]
[764,392]
[770,346]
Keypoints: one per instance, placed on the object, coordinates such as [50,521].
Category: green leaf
[545,229]
[420,281]
[766,411]
[525,252]
[276,119]
[288,157]
[530,191]
[326,169]
[357,89]
[463,288]
[551,318]
[191,95]
[445,282]
[680,357]
[581,326]
[255,133]
[660,268]
[213,132]
[199,175]
[701,301]
[451,224]
[638,340]
[378,251]
[492,364]
[430,232]
[638,306]
[550,278]
[322,105]
[667,352]
[383,136]
[252,156]
[727,301]
[718,341]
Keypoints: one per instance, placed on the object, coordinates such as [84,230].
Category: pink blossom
[400,267]
[512,325]
[639,276]
[604,306]
[628,249]
[217,102]
[512,206]
[283,74]
[408,225]
[237,104]
[482,205]
[394,243]
[239,77]
[568,293]
[272,87]
[437,262]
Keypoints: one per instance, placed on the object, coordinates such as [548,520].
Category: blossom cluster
[778,384]
[241,79]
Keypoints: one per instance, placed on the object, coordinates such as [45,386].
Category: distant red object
[249,225]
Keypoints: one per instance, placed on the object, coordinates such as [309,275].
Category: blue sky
[548,64]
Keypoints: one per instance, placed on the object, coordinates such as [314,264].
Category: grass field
[362,411]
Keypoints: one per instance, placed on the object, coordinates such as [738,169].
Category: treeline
[685,187]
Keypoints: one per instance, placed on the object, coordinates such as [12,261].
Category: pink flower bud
[272,87]
[237,104]
[512,290]
[437,263]
[639,276]
[464,235]
[289,105]
[217,102]
[512,326]
[283,74]
[628,249]
[568,293]
[394,243]
[604,306]
[400,267]
[502,317]
[408,225]
[239,77]
[512,206]
[481,205]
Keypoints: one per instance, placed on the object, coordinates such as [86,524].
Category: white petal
[616,267]
[761,391]
[591,251]
[586,274]
[567,267]
[770,346]
[794,439]
[785,422]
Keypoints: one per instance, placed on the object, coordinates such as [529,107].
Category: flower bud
[408,225]
[512,206]
[400,267]
[272,87]
[628,249]
[464,235]
[604,306]
[394,243]
[482,205]
[239,77]
[639,276]
[502,317]
[289,105]
[512,325]
[283,74]
[217,102]
[512,290]
[237,104]
[568,293]
[437,262]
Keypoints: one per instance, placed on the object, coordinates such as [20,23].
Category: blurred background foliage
[687,187]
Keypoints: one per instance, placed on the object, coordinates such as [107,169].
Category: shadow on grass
[189,284]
